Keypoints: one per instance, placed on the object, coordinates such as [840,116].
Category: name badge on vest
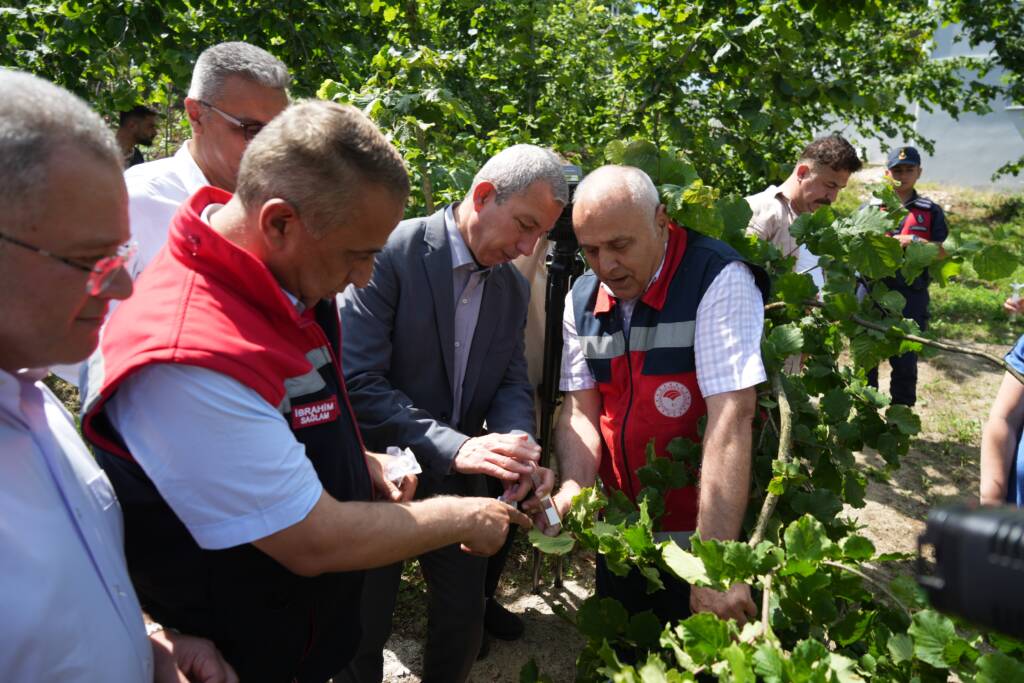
[316,413]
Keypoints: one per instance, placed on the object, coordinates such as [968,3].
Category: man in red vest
[664,329]
[219,412]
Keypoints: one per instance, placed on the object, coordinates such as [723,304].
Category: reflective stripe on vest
[308,383]
[269,623]
[650,392]
[641,338]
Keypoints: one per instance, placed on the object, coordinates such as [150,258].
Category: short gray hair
[514,169]
[316,155]
[216,64]
[39,120]
[629,180]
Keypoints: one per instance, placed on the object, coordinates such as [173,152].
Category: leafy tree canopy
[739,85]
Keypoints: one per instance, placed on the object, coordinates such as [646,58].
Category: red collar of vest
[195,244]
[657,292]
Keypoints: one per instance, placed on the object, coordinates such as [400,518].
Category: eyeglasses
[249,130]
[101,273]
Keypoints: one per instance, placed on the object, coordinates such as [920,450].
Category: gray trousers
[455,604]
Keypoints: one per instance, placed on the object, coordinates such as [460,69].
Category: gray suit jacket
[398,346]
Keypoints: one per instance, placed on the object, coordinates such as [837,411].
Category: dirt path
[549,640]
[954,395]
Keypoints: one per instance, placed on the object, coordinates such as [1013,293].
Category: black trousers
[903,381]
[455,617]
[670,604]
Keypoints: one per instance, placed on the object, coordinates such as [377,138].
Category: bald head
[621,227]
[616,185]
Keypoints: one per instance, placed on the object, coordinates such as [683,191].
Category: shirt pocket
[102,491]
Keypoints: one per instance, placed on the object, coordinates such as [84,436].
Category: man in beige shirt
[822,171]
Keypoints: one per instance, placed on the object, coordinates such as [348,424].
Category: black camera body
[562,232]
[564,265]
[978,571]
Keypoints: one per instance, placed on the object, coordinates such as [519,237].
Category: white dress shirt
[155,191]
[67,608]
[727,337]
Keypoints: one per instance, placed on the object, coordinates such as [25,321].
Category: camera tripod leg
[537,560]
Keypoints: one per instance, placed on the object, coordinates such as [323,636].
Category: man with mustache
[824,168]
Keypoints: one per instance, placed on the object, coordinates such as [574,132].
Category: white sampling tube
[550,513]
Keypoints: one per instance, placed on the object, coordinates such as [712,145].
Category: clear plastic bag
[401,463]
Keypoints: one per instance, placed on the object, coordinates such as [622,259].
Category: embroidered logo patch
[318,412]
[672,399]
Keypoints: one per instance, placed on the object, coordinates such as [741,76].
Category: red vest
[918,221]
[923,220]
[206,302]
[649,391]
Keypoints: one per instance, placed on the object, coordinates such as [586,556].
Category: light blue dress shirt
[67,608]
[224,459]
[468,281]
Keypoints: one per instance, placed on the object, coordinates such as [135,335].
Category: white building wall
[969,150]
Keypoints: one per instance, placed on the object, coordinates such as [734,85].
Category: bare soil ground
[549,638]
[954,395]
